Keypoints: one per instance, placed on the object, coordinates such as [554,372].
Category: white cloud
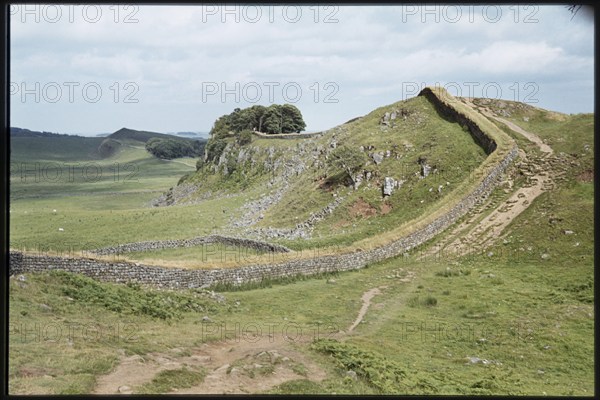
[370,53]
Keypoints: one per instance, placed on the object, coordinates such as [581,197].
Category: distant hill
[27,144]
[21,132]
[191,135]
[35,146]
[160,145]
[140,136]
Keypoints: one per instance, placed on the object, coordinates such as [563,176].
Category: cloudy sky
[96,69]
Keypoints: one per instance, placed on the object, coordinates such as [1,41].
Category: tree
[174,148]
[346,161]
[221,127]
[214,149]
[272,120]
[291,119]
[282,119]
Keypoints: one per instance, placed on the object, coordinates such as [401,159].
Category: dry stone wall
[171,244]
[288,135]
[184,278]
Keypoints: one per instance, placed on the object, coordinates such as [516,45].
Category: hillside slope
[414,159]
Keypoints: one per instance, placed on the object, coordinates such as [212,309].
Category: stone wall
[288,135]
[183,278]
[171,244]
[483,140]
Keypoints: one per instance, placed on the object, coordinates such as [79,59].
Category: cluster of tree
[173,148]
[274,119]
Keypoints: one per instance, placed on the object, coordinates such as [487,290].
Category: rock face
[377,157]
[388,186]
[385,120]
[425,168]
[358,180]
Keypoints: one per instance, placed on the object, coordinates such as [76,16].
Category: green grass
[166,381]
[532,318]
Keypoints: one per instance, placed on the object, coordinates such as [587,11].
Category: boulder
[377,157]
[389,184]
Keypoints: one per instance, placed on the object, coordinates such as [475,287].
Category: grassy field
[517,319]
[531,318]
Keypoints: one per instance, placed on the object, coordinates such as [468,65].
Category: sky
[96,69]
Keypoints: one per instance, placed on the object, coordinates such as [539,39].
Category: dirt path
[235,366]
[482,234]
[366,298]
[532,137]
[239,365]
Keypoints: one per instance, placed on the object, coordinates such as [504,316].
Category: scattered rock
[21,278]
[125,389]
[377,157]
[388,186]
[45,307]
[568,232]
[331,281]
[352,375]
[206,319]
[477,360]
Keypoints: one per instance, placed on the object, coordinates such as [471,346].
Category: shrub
[417,301]
[174,148]
[214,149]
[377,370]
[244,137]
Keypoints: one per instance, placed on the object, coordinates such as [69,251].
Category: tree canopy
[274,119]
[173,148]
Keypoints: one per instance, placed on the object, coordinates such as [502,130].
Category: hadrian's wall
[171,244]
[288,135]
[185,278]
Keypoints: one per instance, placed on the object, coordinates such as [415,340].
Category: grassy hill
[140,136]
[516,318]
[159,144]
[296,173]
